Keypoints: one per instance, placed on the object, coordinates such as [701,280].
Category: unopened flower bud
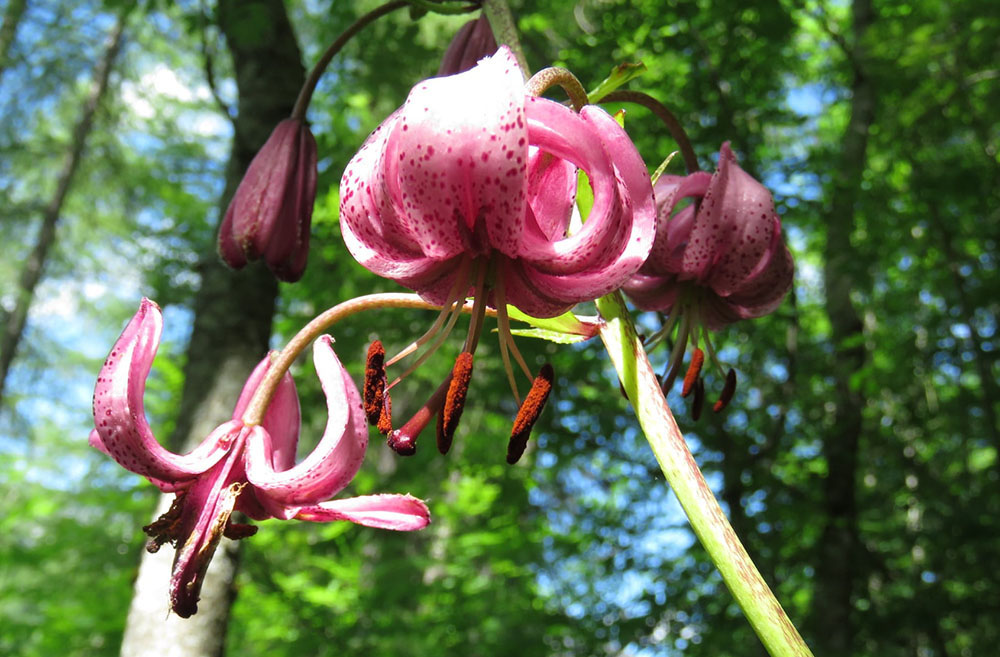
[471,43]
[270,213]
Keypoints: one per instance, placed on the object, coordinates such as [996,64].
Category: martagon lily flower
[719,260]
[238,467]
[469,189]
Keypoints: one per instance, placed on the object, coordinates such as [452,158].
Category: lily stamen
[454,401]
[693,372]
[727,391]
[529,412]
[373,394]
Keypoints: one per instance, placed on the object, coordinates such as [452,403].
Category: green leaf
[620,74]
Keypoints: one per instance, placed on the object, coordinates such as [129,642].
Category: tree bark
[838,551]
[12,323]
[8,30]
[232,326]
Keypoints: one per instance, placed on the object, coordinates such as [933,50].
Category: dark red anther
[728,390]
[454,401]
[238,530]
[374,388]
[699,399]
[384,424]
[694,370]
[166,528]
[528,414]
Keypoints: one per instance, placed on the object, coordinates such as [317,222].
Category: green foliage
[580,550]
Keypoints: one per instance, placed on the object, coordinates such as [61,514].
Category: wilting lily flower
[238,467]
[270,214]
[469,190]
[719,260]
[472,42]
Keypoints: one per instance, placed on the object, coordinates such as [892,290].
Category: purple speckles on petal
[731,248]
[479,190]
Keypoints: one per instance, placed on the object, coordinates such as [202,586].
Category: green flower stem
[505,30]
[707,519]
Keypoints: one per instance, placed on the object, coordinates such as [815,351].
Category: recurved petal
[652,292]
[120,419]
[337,457]
[282,420]
[375,235]
[673,230]
[745,210]
[635,198]
[456,159]
[764,292]
[398,512]
[562,133]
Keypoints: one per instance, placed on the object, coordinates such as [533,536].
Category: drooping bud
[454,401]
[270,214]
[472,42]
[697,359]
[374,388]
[727,391]
[529,412]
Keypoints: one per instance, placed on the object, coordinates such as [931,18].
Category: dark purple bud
[270,214]
[471,43]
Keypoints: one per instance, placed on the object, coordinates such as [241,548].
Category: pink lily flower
[469,190]
[238,467]
[718,260]
[270,214]
[471,169]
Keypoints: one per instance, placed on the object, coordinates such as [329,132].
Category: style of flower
[469,189]
[270,214]
[238,467]
[718,260]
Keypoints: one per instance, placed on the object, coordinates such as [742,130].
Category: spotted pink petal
[337,457]
[635,196]
[374,233]
[456,156]
[745,212]
[398,512]
[119,416]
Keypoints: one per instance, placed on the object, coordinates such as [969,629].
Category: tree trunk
[12,323]
[8,30]
[232,326]
[838,552]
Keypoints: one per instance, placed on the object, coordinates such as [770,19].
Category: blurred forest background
[858,461]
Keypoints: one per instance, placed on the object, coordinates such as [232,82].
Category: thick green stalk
[707,519]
